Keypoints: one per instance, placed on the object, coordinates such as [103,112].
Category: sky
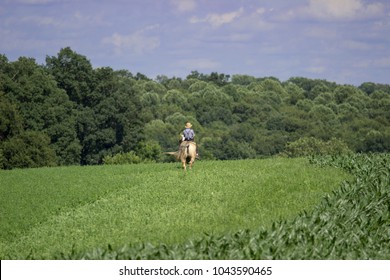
[343,41]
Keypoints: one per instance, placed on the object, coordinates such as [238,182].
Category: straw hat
[188,125]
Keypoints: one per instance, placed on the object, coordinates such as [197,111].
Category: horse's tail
[175,154]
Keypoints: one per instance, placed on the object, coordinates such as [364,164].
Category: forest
[66,112]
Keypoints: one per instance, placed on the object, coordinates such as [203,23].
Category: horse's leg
[184,165]
[192,161]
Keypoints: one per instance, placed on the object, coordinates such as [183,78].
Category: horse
[186,153]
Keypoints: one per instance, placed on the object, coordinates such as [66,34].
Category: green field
[50,211]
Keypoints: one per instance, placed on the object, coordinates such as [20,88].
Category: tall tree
[11,122]
[42,106]
[28,149]
[73,73]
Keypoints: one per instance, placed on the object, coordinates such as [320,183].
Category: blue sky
[345,41]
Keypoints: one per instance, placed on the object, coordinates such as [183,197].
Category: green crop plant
[353,222]
[156,209]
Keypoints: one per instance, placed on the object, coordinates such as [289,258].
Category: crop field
[48,211]
[245,209]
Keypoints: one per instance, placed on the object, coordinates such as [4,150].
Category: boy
[189,135]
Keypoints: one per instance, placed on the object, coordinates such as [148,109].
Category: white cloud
[342,9]
[41,20]
[217,20]
[374,63]
[255,21]
[316,69]
[237,37]
[72,22]
[184,5]
[138,42]
[199,64]
[35,2]
[321,32]
[383,62]
[356,45]
[17,41]
[336,10]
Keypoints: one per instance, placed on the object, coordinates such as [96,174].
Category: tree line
[65,112]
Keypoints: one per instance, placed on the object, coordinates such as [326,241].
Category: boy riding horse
[189,135]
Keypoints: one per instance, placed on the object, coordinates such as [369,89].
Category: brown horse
[186,153]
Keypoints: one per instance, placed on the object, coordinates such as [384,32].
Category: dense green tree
[312,146]
[370,87]
[83,115]
[274,86]
[149,151]
[27,149]
[295,121]
[309,85]
[242,133]
[294,93]
[343,93]
[73,73]
[376,141]
[219,79]
[269,143]
[324,121]
[106,82]
[379,107]
[216,78]
[112,126]
[141,77]
[122,158]
[11,122]
[243,80]
[149,86]
[175,96]
[211,104]
[177,120]
[43,107]
[237,150]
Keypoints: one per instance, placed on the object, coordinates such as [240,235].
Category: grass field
[50,211]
